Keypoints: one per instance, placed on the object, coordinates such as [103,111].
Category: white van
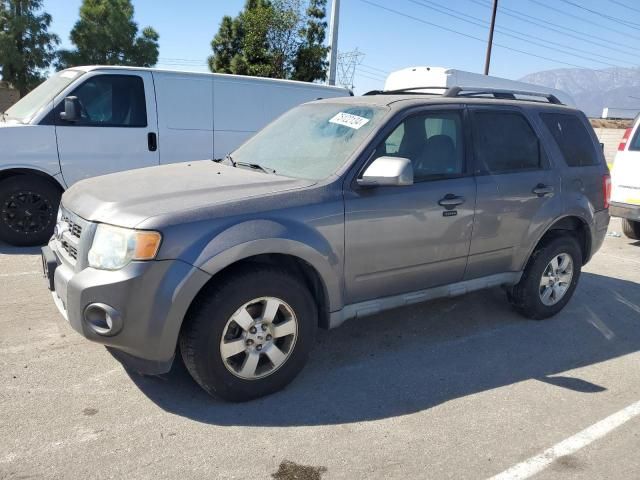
[625,180]
[89,121]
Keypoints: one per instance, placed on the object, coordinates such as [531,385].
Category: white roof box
[415,77]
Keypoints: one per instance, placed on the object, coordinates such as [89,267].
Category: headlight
[114,247]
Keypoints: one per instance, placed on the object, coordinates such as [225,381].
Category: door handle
[152,141]
[542,190]
[450,201]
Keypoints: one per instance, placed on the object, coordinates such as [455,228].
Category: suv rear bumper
[625,210]
[138,310]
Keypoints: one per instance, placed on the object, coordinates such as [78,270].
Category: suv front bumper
[625,210]
[137,310]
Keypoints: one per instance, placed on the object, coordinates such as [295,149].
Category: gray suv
[339,209]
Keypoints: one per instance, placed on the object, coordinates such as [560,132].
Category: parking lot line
[536,464]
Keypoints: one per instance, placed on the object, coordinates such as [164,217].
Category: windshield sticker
[349,120]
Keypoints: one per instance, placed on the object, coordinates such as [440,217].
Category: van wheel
[550,278]
[250,334]
[28,209]
[631,229]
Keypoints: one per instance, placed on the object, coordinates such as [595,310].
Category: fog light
[103,319]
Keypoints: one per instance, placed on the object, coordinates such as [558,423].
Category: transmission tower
[347,64]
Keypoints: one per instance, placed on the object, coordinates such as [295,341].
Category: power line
[543,23]
[477,38]
[517,35]
[600,14]
[617,2]
[375,68]
[582,19]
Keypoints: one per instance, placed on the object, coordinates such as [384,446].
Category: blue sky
[400,33]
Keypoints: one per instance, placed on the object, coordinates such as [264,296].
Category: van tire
[631,229]
[210,320]
[28,209]
[526,295]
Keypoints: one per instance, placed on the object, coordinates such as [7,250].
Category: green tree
[311,59]
[27,48]
[273,38]
[107,35]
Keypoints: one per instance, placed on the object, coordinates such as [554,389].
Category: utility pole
[487,60]
[333,35]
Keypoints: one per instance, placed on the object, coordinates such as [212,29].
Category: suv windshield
[311,141]
[28,106]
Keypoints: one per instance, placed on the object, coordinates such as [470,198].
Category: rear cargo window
[572,138]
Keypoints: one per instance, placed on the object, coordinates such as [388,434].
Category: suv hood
[128,198]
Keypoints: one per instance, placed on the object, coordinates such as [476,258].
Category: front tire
[249,334]
[631,229]
[28,209]
[549,279]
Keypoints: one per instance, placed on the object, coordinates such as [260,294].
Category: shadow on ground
[417,357]
[6,249]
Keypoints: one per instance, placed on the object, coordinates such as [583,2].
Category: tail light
[606,189]
[625,139]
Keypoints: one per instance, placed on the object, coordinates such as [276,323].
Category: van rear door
[116,126]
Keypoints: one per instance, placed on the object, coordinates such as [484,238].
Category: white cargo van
[625,179]
[89,121]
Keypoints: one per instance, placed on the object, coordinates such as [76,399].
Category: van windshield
[311,141]
[28,106]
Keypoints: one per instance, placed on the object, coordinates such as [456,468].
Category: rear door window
[572,138]
[504,142]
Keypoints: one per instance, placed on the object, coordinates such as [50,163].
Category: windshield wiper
[227,158]
[254,166]
[3,116]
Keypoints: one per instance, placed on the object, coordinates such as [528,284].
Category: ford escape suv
[339,209]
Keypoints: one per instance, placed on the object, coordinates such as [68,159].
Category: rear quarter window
[572,138]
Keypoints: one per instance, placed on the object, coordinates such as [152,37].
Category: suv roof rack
[455,92]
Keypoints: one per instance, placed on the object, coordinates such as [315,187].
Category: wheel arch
[295,265]
[16,171]
[576,226]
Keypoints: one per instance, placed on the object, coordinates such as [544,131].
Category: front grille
[71,250]
[71,242]
[74,228]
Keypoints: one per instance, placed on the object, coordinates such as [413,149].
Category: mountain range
[594,89]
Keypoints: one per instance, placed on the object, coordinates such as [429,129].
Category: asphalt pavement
[456,388]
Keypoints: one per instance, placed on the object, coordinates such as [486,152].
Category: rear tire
[545,288]
[28,209]
[232,316]
[631,229]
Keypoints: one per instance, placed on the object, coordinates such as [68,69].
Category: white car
[90,121]
[625,197]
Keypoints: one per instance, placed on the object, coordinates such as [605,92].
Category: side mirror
[387,171]
[71,111]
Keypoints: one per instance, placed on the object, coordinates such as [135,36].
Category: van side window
[432,141]
[572,138]
[111,101]
[504,142]
[635,143]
